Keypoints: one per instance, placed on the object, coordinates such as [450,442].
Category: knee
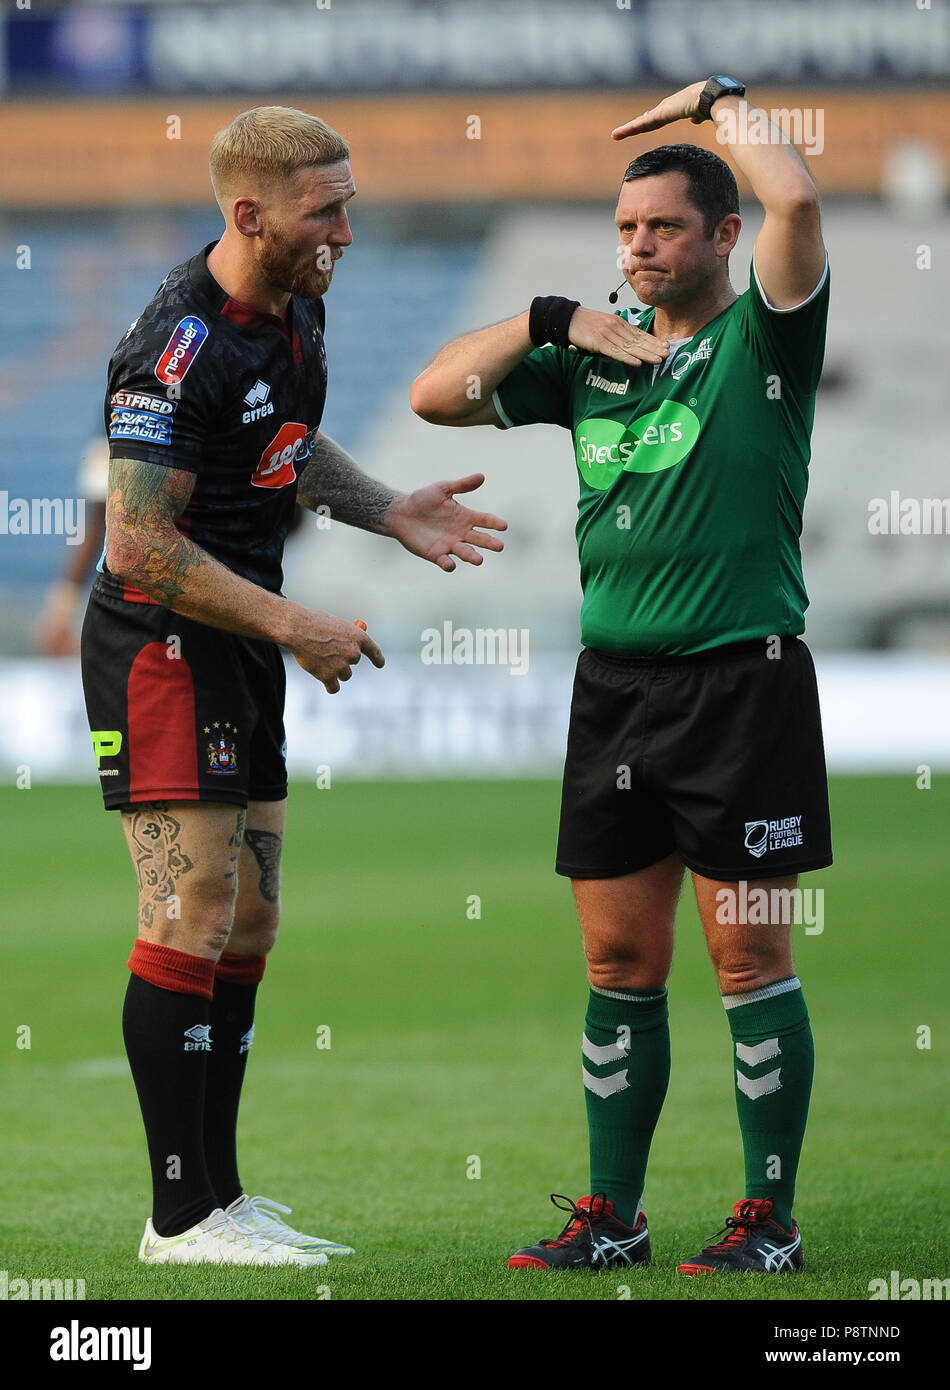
[215,935]
[255,928]
[737,974]
[626,970]
[209,914]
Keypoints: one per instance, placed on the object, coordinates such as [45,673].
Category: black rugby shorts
[717,756]
[180,711]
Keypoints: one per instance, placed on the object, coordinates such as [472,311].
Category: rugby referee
[695,737]
[213,410]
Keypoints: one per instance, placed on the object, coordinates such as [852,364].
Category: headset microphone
[615,294]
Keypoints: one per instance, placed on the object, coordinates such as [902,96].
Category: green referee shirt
[692,474]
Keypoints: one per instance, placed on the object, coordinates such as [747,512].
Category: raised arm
[789,252]
[145,547]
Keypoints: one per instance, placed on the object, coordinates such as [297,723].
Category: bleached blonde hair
[268,145]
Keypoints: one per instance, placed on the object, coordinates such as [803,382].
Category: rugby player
[695,738]
[214,404]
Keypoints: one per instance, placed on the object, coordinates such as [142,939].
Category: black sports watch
[718,87]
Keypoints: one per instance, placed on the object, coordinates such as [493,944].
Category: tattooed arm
[331,478]
[145,547]
[428,522]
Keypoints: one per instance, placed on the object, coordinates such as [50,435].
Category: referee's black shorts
[716,756]
[180,711]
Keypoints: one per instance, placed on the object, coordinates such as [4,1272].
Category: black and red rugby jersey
[204,383]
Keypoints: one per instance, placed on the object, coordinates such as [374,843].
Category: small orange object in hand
[359,623]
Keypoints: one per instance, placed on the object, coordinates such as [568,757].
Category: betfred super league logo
[222,756]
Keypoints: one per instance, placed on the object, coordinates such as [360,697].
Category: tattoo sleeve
[145,545]
[330,478]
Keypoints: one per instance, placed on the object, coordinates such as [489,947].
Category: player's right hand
[328,648]
[612,336]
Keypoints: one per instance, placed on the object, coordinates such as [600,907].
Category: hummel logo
[247,1040]
[603,383]
[200,1036]
[258,393]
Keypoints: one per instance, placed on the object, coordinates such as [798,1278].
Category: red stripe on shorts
[133,595]
[163,754]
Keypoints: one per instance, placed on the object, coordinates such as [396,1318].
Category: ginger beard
[287,268]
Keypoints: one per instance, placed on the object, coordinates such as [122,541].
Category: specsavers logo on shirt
[651,443]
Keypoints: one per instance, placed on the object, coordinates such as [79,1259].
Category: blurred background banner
[417,45]
[485,174]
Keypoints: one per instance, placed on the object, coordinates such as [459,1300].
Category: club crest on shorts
[222,756]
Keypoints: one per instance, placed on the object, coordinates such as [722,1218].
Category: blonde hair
[268,144]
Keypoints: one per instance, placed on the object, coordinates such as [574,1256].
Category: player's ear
[246,216]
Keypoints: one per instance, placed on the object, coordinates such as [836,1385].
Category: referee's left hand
[430,523]
[682,105]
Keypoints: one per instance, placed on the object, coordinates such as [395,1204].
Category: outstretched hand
[682,105]
[430,523]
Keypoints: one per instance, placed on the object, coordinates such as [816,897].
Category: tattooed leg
[185,858]
[266,847]
[257,912]
[235,841]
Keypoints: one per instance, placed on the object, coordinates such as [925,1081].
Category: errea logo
[256,398]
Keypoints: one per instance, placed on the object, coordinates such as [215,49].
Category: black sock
[232,1027]
[167,1040]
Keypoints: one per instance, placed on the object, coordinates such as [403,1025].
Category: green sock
[626,1072]
[775,1059]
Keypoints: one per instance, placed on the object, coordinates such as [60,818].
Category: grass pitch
[454,1050]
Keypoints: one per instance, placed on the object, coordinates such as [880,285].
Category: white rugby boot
[258,1216]
[220,1241]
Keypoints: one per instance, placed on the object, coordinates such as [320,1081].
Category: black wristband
[549,319]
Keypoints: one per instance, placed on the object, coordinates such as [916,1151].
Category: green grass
[454,1037]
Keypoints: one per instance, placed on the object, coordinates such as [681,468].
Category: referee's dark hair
[712,185]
